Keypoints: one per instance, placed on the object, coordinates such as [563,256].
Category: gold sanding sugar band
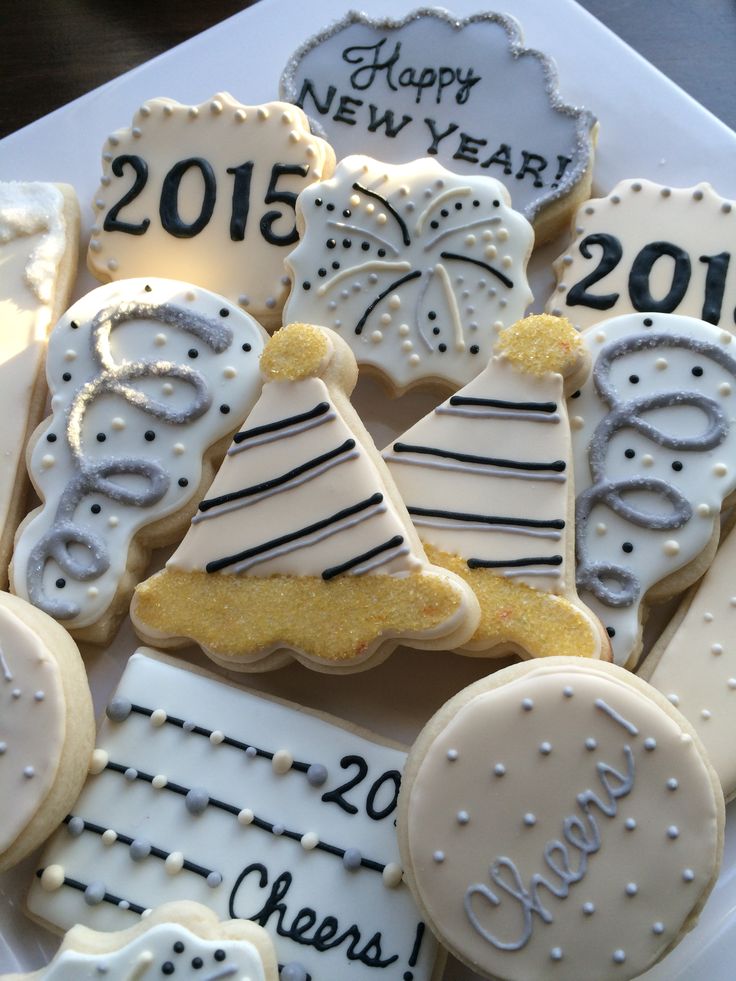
[337,621]
[541,344]
[543,624]
[296,351]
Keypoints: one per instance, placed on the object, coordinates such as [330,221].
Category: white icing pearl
[527,704]
[632,889]
[394,302]
[452,755]
[159,781]
[217,737]
[93,592]
[716,649]
[98,761]
[704,510]
[70,355]
[671,547]
[601,528]
[167,388]
[158,718]
[439,857]
[705,715]
[392,875]
[113,521]
[414,359]
[109,837]
[530,819]
[179,449]
[52,878]
[385,319]
[688,875]
[376,336]
[720,469]
[246,816]
[117,423]
[159,340]
[577,422]
[647,460]
[309,841]
[724,389]
[499,769]
[675,699]
[174,863]
[731,683]
[673,832]
[660,364]
[229,372]
[545,748]
[463,817]
[282,761]
[47,461]
[630,824]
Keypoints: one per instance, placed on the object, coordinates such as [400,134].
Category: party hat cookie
[302,546]
[504,524]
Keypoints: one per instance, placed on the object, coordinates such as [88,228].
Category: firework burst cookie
[560,819]
[184,939]
[148,377]
[206,194]
[414,266]
[654,450]
[47,727]
[39,228]
[303,527]
[506,525]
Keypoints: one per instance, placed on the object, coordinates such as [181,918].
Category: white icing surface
[414,267]
[705,478]
[27,210]
[220,842]
[229,378]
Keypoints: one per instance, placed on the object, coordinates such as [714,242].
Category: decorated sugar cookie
[693,662]
[412,265]
[485,477]
[47,727]
[560,819]
[651,249]
[206,194]
[147,376]
[257,808]
[654,449]
[302,527]
[462,89]
[39,229]
[183,939]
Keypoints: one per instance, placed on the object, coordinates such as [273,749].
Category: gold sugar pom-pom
[295,352]
[541,344]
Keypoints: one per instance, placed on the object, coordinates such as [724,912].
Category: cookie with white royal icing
[39,229]
[148,377]
[47,727]
[503,520]
[560,819]
[463,89]
[413,265]
[654,449]
[303,526]
[692,663]
[651,249]
[255,807]
[206,194]
[184,939]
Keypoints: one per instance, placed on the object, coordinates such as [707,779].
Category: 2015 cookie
[47,727]
[654,449]
[206,194]
[303,526]
[413,265]
[257,808]
[486,480]
[147,377]
[39,231]
[183,938]
[560,819]
[465,90]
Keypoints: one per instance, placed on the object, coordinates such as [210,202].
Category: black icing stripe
[336,570]
[514,563]
[226,741]
[271,427]
[379,197]
[483,265]
[131,772]
[488,519]
[293,536]
[109,897]
[371,306]
[557,465]
[214,502]
[549,407]
[123,839]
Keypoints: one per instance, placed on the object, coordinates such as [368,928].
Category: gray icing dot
[94,894]
[102,968]
[188,726]
[352,859]
[75,827]
[251,752]
[317,774]
[293,971]
[118,709]
[131,774]
[139,849]
[214,879]
[197,800]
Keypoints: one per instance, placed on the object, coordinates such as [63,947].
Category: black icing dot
[365,246]
[697,371]
[331,243]
[149,435]
[676,466]
[634,379]
[476,203]
[335,265]
[224,312]
[629,454]
[627,547]
[434,224]
[96,508]
[444,212]
[458,206]
[66,376]
[51,438]
[224,408]
[648,321]
[346,213]
[381,253]
[178,947]
[246,347]
[435,330]
[575,395]
[346,243]
[431,315]
[474,349]
[101,437]
[496,203]
[306,285]
[60,583]
[183,482]
[147,288]
[220,954]
[167,968]
[330,207]
[322,272]
[197,962]
[74,325]
[193,352]
[442,348]
[318,202]
[611,631]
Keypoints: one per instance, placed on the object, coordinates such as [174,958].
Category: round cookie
[46,727]
[560,820]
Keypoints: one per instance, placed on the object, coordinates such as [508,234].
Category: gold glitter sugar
[541,344]
[296,351]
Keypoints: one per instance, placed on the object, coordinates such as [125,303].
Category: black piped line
[379,197]
[504,404]
[483,265]
[271,427]
[371,307]
[336,570]
[107,898]
[556,465]
[514,563]
[488,519]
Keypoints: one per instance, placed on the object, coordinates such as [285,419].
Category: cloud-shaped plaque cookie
[463,90]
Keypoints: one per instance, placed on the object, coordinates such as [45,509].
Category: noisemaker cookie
[560,819]
[302,527]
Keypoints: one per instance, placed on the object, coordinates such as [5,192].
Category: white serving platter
[665,136]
